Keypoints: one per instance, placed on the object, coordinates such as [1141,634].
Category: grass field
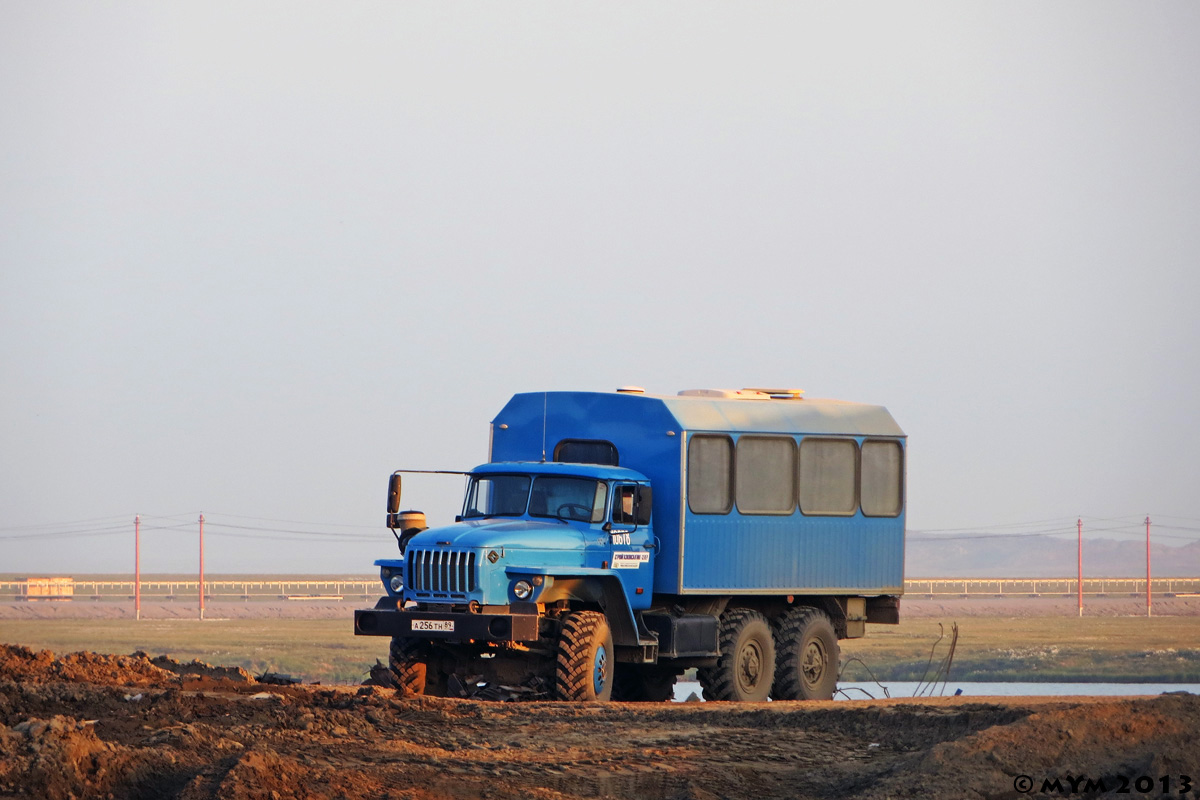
[1161,649]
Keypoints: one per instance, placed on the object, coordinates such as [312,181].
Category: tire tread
[573,666]
[720,682]
[407,663]
[788,683]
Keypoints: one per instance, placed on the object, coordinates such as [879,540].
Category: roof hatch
[752,393]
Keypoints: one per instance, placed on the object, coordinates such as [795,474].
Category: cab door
[631,542]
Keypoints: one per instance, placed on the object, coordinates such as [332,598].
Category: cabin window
[766,475]
[710,474]
[623,502]
[586,451]
[496,496]
[828,476]
[579,499]
[882,478]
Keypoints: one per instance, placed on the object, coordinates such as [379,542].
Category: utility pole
[201,566]
[1147,566]
[1079,582]
[137,567]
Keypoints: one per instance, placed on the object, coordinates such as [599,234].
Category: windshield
[581,499]
[497,496]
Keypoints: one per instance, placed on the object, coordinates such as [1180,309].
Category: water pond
[867,690]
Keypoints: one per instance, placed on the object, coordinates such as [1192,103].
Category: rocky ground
[99,726]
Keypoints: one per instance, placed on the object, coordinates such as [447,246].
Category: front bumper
[446,625]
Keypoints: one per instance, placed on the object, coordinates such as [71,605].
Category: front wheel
[584,667]
[807,657]
[408,662]
[414,669]
[746,666]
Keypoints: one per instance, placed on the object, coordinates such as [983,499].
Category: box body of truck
[768,549]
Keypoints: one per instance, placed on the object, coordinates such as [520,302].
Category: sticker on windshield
[630,560]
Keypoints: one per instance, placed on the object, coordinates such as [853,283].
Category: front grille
[441,573]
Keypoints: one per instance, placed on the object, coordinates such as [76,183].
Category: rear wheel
[746,666]
[584,666]
[806,661]
[643,684]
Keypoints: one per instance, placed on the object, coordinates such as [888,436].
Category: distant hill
[1046,557]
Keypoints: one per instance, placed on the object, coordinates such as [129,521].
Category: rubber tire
[806,656]
[633,683]
[745,669]
[408,662]
[585,658]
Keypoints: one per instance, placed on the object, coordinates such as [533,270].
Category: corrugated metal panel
[793,554]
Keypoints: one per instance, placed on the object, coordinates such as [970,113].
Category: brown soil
[98,726]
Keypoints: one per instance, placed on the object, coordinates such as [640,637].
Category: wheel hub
[750,666]
[600,670]
[812,665]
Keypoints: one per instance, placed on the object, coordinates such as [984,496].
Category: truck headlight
[523,590]
[397,582]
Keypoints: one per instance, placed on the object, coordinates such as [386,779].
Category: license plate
[446,626]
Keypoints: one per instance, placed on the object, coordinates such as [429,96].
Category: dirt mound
[137,670]
[23,664]
[83,726]
[62,757]
[198,669]
[1106,743]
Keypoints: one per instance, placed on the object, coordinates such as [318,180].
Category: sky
[255,256]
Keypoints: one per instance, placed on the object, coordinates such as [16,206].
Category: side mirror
[393,501]
[642,503]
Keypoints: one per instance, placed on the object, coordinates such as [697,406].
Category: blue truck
[615,540]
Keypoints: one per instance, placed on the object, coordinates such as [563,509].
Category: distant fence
[60,589]
[155,590]
[1001,587]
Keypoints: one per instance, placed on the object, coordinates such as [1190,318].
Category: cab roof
[596,471]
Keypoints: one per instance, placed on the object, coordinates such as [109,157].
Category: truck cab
[524,523]
[530,537]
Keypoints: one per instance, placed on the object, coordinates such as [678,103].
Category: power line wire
[281,530]
[1063,520]
[297,522]
[43,525]
[290,538]
[113,525]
